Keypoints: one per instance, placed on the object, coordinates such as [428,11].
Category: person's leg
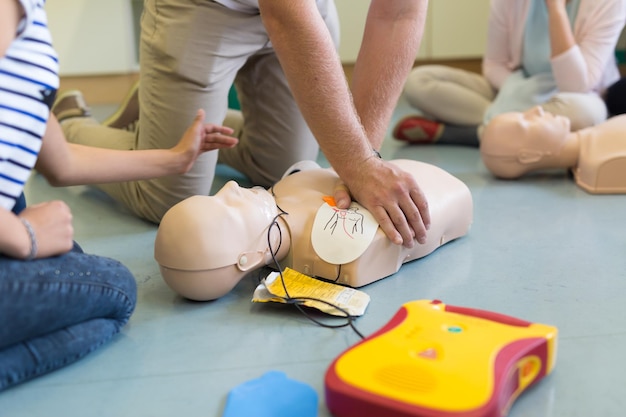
[190,53]
[453,102]
[583,110]
[275,135]
[89,132]
[615,97]
[449,95]
[57,310]
[459,135]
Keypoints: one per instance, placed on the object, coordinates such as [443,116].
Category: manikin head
[515,143]
[206,244]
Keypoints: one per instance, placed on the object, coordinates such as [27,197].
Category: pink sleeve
[496,65]
[583,67]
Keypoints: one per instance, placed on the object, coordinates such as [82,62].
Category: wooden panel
[100,89]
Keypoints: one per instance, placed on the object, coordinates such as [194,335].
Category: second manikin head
[515,143]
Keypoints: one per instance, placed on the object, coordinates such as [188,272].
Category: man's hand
[394,199]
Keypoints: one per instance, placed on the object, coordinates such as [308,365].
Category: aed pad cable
[298,301]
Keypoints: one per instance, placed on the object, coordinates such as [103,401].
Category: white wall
[455,29]
[352,15]
[93,36]
[96,37]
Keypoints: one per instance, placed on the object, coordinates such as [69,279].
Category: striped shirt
[28,83]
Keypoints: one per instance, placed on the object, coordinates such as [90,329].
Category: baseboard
[101,89]
[111,89]
[473,65]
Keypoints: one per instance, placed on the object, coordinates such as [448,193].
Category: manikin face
[513,143]
[246,202]
[206,244]
[535,126]
[209,232]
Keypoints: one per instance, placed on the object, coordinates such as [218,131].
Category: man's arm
[308,57]
[393,33]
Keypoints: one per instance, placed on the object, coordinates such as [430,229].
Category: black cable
[298,302]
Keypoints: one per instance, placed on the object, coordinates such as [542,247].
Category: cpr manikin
[206,244]
[514,144]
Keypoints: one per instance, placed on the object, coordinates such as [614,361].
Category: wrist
[32,254]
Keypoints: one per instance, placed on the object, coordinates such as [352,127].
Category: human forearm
[583,67]
[391,40]
[14,239]
[316,78]
[496,64]
[41,230]
[64,164]
[561,36]
[89,165]
[312,67]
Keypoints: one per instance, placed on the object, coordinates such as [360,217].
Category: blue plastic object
[272,395]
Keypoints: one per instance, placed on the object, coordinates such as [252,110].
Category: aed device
[437,360]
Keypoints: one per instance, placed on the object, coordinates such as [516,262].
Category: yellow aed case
[437,360]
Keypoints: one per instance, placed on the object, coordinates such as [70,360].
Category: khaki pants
[191,53]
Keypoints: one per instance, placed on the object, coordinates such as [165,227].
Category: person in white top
[58,303]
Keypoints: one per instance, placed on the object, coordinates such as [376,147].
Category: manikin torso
[601,164]
[451,213]
[206,244]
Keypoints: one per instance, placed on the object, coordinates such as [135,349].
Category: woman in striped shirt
[56,302]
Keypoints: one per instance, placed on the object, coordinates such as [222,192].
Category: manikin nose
[538,111]
[231,187]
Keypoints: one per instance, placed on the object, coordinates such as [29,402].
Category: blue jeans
[20,204]
[54,311]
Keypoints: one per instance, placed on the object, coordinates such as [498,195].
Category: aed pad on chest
[339,236]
